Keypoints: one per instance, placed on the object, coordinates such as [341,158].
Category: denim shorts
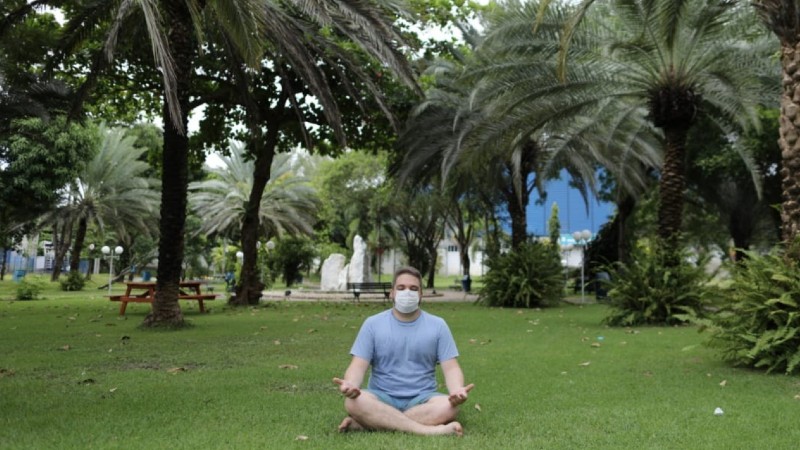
[401,403]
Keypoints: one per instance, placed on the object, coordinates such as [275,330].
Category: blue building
[572,210]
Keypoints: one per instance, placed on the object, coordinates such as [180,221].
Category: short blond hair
[407,270]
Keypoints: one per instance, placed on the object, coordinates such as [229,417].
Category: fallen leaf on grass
[276,342]
[473,341]
[287,366]
[584,364]
[176,370]
[312,330]
[65,348]
[723,383]
[595,344]
[478,406]
[301,438]
[112,390]
[796,397]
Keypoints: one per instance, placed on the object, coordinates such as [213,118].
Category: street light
[111,254]
[91,262]
[581,240]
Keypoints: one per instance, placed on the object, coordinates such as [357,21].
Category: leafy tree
[419,218]
[291,256]
[39,158]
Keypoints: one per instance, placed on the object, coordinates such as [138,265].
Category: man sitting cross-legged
[403,345]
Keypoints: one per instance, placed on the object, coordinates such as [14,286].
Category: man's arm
[350,386]
[454,379]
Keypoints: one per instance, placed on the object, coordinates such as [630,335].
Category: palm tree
[288,204]
[508,114]
[782,17]
[112,192]
[680,60]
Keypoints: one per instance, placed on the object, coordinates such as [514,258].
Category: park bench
[371,287]
[189,290]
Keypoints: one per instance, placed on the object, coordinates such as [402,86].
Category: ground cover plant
[75,375]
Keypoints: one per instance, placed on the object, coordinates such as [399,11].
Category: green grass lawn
[75,375]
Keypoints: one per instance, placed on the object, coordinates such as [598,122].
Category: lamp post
[581,240]
[91,262]
[111,254]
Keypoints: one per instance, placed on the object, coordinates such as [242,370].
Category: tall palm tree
[112,192]
[782,17]
[679,60]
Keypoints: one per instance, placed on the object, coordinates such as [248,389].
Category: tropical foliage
[530,277]
[658,286]
[758,323]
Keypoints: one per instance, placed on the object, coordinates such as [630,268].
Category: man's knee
[357,406]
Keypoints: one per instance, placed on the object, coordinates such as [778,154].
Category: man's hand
[347,389]
[460,395]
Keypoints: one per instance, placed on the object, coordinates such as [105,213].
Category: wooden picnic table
[145,292]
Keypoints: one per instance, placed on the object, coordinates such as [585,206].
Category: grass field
[74,375]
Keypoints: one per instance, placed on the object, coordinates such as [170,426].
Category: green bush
[74,281]
[656,287]
[527,278]
[758,323]
[28,290]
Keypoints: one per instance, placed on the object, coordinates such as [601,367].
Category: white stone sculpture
[359,264]
[331,271]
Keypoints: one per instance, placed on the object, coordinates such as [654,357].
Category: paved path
[305,294]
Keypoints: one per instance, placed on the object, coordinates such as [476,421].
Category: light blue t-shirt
[404,355]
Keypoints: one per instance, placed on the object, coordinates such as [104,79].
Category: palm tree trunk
[80,236]
[250,287]
[174,178]
[519,220]
[672,185]
[790,148]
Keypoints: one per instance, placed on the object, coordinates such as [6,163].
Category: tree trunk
[3,264]
[250,287]
[672,184]
[519,219]
[625,208]
[174,179]
[61,240]
[80,236]
[790,148]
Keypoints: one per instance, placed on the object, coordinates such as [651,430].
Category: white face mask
[406,301]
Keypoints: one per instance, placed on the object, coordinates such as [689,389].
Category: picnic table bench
[372,287]
[146,293]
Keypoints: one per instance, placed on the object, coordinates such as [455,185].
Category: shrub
[526,278]
[656,287]
[28,290]
[758,324]
[74,281]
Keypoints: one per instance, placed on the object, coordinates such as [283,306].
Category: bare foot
[453,428]
[349,424]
